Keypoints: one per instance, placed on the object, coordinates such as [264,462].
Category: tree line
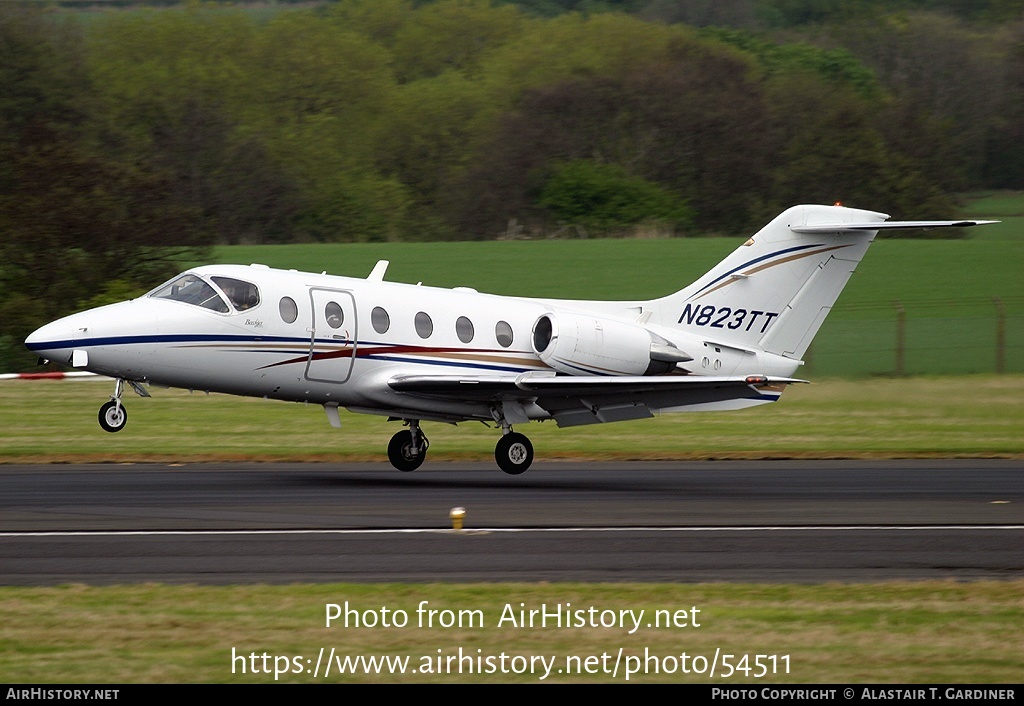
[130,138]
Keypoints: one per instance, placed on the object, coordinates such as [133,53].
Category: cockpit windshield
[192,289]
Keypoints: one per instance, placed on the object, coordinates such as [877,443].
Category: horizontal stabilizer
[886,225]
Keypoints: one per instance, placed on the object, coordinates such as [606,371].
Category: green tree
[452,35]
[940,66]
[174,90]
[606,198]
[694,126]
[74,220]
[831,149]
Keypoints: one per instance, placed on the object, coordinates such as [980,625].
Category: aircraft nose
[53,336]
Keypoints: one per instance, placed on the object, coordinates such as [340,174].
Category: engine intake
[579,344]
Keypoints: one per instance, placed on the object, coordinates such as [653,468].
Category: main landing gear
[514,453]
[408,449]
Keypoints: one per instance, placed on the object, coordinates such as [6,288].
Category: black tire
[514,453]
[113,417]
[403,454]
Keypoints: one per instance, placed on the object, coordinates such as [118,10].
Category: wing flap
[531,384]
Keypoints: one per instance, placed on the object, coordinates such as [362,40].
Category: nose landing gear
[113,416]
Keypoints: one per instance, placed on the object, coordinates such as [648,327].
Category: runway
[780,521]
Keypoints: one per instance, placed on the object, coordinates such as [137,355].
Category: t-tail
[774,291]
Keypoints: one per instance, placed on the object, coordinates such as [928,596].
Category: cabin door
[332,335]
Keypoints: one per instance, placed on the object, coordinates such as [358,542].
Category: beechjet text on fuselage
[732,339]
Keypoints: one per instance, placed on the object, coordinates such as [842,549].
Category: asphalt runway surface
[777,521]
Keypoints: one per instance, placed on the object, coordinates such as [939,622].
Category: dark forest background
[132,135]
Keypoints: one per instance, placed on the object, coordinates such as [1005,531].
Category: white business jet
[732,339]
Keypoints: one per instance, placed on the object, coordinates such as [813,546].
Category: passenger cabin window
[191,289]
[380,320]
[503,332]
[242,295]
[424,326]
[334,315]
[289,310]
[464,329]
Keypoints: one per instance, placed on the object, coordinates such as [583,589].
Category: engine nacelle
[581,344]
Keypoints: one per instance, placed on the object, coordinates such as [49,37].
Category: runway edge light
[457,514]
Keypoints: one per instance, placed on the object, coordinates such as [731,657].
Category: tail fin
[773,292]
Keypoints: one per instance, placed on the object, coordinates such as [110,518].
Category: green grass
[917,417]
[997,204]
[924,632]
[1004,206]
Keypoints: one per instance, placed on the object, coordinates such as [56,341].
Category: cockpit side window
[242,295]
[192,290]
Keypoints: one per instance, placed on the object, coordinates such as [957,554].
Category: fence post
[901,332]
[1000,335]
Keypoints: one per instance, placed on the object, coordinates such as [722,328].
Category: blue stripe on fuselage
[162,338]
[755,261]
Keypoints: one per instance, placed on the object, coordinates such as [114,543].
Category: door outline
[327,367]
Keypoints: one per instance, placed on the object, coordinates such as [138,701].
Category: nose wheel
[113,416]
[514,453]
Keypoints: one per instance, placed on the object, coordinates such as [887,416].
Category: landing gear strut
[113,416]
[408,448]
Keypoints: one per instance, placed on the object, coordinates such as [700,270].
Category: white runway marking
[508,530]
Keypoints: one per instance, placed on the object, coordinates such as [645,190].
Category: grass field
[926,632]
[994,204]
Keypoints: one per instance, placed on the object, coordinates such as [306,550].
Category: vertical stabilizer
[773,292]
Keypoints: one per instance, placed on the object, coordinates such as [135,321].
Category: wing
[576,400]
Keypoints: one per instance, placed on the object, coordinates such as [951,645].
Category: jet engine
[582,344]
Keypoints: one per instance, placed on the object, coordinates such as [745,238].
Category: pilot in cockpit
[242,295]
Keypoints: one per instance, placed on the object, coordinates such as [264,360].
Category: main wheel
[514,453]
[403,454]
[113,416]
